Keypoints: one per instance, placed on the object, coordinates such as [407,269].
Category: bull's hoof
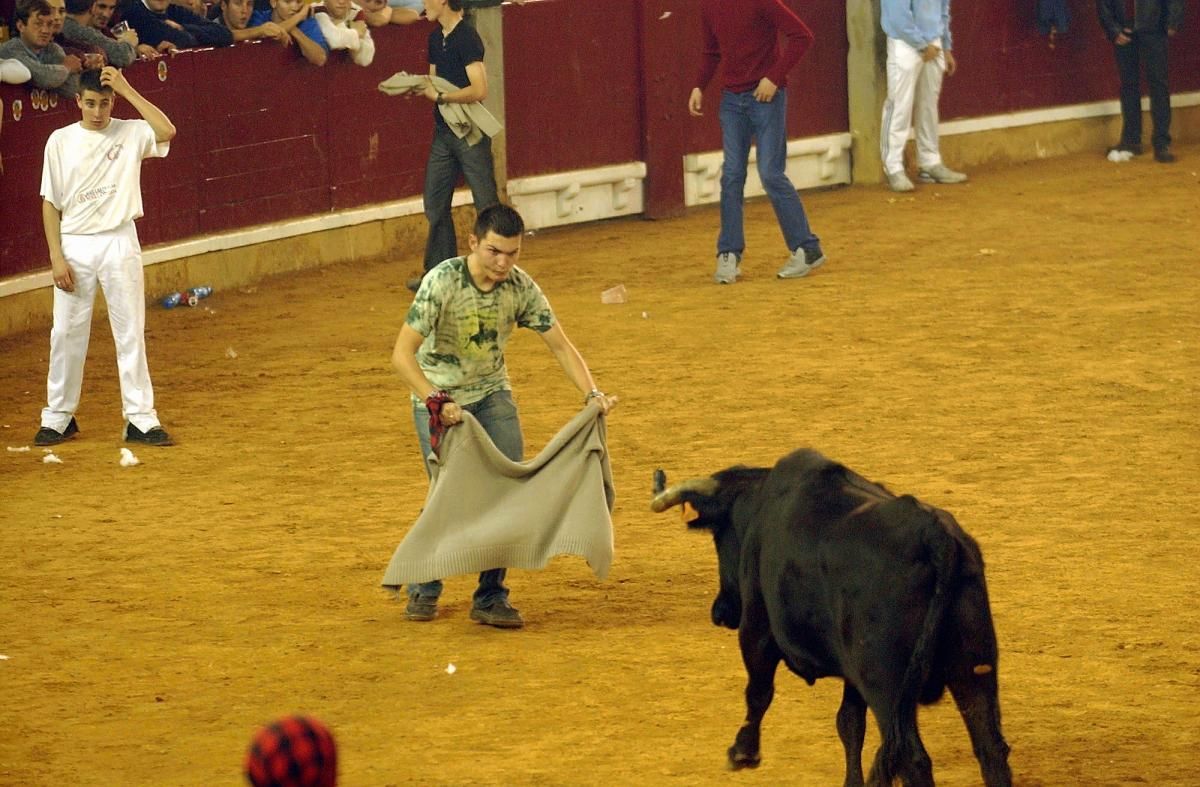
[740,759]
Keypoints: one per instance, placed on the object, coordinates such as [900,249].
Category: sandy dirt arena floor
[1021,350]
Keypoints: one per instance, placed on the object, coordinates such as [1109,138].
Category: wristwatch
[441,99]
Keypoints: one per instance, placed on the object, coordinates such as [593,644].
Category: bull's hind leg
[978,700]
[852,728]
[761,657]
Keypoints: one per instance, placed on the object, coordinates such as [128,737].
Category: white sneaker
[727,268]
[802,262]
[940,173]
[899,181]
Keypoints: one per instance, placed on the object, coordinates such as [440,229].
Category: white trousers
[913,90]
[112,260]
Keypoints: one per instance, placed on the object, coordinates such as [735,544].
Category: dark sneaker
[47,436]
[500,614]
[1164,156]
[421,608]
[414,283]
[154,436]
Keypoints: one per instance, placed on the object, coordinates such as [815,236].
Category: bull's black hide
[835,576]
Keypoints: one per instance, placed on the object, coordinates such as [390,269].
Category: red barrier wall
[263,136]
[1005,65]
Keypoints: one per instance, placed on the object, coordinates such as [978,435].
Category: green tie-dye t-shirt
[466,329]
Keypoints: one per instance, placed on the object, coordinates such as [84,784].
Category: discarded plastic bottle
[190,296]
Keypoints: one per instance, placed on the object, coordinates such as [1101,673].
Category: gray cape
[486,511]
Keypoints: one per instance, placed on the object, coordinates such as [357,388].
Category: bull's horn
[706,486]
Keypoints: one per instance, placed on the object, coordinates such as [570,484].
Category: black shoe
[1133,149]
[1164,156]
[47,436]
[154,436]
[421,608]
[500,614]
[414,283]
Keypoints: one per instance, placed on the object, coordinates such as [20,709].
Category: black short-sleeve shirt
[451,55]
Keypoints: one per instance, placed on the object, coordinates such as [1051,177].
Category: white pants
[114,261]
[913,90]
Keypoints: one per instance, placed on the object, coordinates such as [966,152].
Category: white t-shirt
[94,177]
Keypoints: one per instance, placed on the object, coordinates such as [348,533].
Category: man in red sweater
[744,35]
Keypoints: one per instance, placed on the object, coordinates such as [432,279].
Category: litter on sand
[51,459]
[128,459]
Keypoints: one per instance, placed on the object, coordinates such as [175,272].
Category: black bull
[835,576]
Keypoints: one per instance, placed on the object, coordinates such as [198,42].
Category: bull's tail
[942,550]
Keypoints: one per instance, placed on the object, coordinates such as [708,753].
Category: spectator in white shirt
[343,31]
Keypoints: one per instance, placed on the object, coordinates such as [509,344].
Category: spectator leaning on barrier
[236,14]
[456,55]
[918,54]
[343,31]
[101,17]
[378,13]
[79,30]
[49,67]
[1139,30]
[157,21]
[295,17]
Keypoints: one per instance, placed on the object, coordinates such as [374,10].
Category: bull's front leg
[761,656]
[852,728]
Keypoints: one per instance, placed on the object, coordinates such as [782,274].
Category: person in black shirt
[157,21]
[455,54]
[1139,30]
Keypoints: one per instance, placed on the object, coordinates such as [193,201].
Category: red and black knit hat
[295,751]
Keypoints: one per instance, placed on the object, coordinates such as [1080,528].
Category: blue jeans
[743,118]
[450,157]
[497,414]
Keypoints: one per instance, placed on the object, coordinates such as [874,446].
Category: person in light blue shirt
[919,53]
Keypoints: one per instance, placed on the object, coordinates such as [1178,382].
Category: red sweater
[745,35]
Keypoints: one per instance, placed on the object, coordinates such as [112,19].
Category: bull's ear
[688,514]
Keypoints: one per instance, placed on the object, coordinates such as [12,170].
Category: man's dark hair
[500,219]
[455,5]
[28,8]
[79,6]
[90,80]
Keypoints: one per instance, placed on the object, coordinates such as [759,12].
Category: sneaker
[940,173]
[500,614]
[414,283]
[47,436]
[1131,149]
[1164,156]
[156,435]
[728,268]
[421,608]
[802,262]
[899,181]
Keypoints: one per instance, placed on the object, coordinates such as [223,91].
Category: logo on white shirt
[113,152]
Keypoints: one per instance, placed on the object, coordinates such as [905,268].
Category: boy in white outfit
[343,31]
[91,194]
[918,53]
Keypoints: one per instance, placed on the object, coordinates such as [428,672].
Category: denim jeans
[497,414]
[450,157]
[743,118]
